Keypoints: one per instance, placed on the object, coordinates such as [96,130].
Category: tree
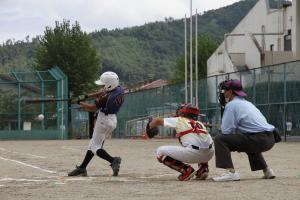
[206,46]
[70,49]
[8,108]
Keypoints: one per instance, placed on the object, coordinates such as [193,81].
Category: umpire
[243,129]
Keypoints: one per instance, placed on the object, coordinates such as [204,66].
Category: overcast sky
[19,18]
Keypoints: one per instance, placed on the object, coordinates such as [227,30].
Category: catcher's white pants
[186,154]
[105,124]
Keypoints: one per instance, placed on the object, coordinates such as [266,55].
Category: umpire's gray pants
[252,144]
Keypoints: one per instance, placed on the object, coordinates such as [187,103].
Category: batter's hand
[83,97]
[74,100]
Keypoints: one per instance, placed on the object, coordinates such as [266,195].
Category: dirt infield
[37,170]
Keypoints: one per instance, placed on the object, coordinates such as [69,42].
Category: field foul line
[159,175]
[29,165]
[23,180]
[26,154]
[62,180]
[70,148]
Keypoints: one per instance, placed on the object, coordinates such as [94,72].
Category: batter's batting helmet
[110,80]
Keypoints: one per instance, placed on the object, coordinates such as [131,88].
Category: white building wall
[296,28]
[275,22]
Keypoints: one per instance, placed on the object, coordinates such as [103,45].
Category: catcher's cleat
[78,172]
[202,172]
[115,165]
[190,172]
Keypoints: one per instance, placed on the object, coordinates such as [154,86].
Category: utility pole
[185,61]
[196,60]
[191,53]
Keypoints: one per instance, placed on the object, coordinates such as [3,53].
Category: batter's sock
[88,157]
[104,155]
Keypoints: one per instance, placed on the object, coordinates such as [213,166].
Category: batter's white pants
[105,124]
[186,154]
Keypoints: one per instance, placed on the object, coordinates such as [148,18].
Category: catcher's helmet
[110,80]
[188,110]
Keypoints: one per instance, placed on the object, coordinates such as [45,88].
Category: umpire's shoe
[78,172]
[115,165]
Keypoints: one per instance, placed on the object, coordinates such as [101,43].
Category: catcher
[196,143]
[107,104]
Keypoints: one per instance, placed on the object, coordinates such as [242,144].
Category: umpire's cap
[236,86]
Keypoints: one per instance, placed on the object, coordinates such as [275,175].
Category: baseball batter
[107,104]
[196,143]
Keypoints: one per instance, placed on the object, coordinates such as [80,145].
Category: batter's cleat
[228,176]
[190,172]
[202,172]
[78,172]
[268,174]
[115,165]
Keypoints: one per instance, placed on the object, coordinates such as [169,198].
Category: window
[288,41]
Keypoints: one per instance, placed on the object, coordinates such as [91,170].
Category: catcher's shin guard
[173,164]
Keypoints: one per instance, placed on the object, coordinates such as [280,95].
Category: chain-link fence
[21,117]
[273,89]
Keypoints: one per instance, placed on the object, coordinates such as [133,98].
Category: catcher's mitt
[151,132]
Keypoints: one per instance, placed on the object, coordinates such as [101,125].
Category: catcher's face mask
[234,85]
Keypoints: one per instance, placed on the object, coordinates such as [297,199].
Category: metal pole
[196,60]
[284,99]
[185,62]
[191,54]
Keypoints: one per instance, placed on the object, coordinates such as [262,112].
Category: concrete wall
[274,24]
[274,57]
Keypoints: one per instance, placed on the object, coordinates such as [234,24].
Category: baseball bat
[43,100]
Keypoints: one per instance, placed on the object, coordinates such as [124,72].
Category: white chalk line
[57,180]
[159,175]
[103,179]
[62,180]
[29,165]
[22,180]
[70,148]
[59,183]
[26,154]
[149,176]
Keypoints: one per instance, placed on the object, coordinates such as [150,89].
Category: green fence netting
[18,118]
[275,90]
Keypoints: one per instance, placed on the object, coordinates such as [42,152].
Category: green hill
[142,52]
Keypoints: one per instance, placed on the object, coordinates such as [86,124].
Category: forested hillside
[142,52]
